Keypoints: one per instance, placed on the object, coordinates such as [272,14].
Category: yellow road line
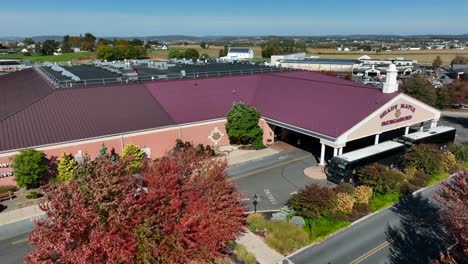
[370,253]
[20,241]
[270,167]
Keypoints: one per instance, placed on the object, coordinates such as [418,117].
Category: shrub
[30,167]
[449,162]
[200,149]
[362,194]
[313,201]
[380,178]
[407,188]
[344,203]
[134,156]
[256,222]
[419,180]
[427,158]
[297,220]
[283,215]
[32,195]
[66,167]
[210,151]
[244,255]
[359,210]
[285,237]
[410,172]
[8,188]
[460,151]
[344,188]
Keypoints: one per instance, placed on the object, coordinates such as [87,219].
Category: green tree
[242,125]
[175,54]
[443,97]
[29,167]
[279,46]
[134,156]
[136,42]
[437,63]
[66,167]
[191,54]
[420,88]
[105,53]
[103,152]
[66,46]
[48,47]
[203,45]
[459,60]
[28,41]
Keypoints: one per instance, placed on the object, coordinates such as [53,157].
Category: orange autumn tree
[181,208]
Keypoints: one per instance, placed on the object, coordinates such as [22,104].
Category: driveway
[274,178]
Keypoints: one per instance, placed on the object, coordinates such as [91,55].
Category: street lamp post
[255,202]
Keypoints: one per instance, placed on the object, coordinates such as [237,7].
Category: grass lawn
[79,56]
[322,227]
[379,201]
[438,177]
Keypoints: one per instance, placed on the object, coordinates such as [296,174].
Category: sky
[126,18]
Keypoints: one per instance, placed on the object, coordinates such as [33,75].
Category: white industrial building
[276,59]
[364,65]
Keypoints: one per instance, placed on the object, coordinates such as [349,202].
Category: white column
[433,123]
[407,130]
[335,152]
[377,139]
[421,128]
[322,155]
[340,151]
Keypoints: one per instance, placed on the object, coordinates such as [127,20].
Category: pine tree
[103,152]
[66,167]
[135,157]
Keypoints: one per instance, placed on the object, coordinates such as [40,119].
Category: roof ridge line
[27,106]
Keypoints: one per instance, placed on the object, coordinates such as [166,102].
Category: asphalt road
[14,241]
[274,178]
[409,232]
[458,120]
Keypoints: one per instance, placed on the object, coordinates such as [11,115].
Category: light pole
[255,202]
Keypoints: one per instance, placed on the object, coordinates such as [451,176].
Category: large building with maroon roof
[332,111]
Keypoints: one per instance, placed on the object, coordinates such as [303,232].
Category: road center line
[269,168]
[370,253]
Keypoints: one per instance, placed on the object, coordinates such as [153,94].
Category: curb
[358,221]
[20,214]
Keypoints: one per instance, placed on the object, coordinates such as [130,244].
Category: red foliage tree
[459,92]
[454,197]
[188,212]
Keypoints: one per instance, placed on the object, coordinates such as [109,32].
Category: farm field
[74,57]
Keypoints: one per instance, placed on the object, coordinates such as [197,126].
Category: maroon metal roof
[316,102]
[309,100]
[77,113]
[20,89]
[194,100]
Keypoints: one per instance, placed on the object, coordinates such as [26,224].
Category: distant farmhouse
[238,54]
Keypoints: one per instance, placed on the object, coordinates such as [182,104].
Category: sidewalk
[235,155]
[20,214]
[255,245]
